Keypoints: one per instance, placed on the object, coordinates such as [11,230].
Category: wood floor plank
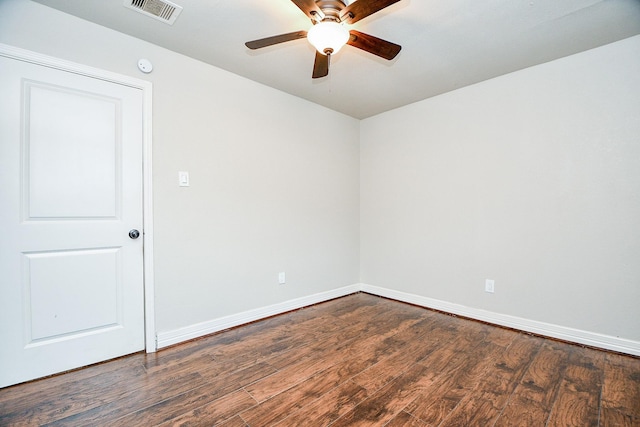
[68,393]
[461,374]
[190,401]
[269,344]
[404,419]
[294,398]
[178,354]
[289,377]
[402,351]
[537,391]
[63,395]
[328,408]
[236,421]
[215,412]
[280,406]
[264,346]
[483,406]
[579,393]
[540,382]
[387,402]
[87,396]
[614,418]
[397,394]
[443,401]
[229,340]
[371,350]
[340,307]
[329,352]
[127,401]
[270,337]
[391,367]
[165,382]
[621,389]
[359,360]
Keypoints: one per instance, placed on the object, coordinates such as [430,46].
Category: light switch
[183,179]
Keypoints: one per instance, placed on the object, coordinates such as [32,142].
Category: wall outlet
[281,278]
[183,179]
[489,285]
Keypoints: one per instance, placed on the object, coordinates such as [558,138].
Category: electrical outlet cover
[489,285]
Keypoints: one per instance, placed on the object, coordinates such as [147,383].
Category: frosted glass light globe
[328,37]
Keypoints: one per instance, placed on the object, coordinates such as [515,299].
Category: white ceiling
[446,44]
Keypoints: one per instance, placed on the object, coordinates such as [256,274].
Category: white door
[71,278]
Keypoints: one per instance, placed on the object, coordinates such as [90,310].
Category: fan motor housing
[331,8]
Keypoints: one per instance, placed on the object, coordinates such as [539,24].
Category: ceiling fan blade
[268,41]
[321,65]
[363,8]
[309,7]
[371,44]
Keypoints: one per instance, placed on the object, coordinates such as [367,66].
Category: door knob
[134,234]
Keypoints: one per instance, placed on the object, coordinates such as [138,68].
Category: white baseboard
[577,336]
[546,329]
[179,335]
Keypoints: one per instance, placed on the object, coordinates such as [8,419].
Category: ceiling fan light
[328,37]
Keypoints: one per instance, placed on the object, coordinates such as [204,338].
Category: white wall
[267,194]
[531,179]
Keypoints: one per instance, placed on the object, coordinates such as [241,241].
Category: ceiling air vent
[162,10]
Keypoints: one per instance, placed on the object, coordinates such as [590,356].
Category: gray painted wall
[531,179]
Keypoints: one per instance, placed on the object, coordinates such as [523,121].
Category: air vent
[162,10]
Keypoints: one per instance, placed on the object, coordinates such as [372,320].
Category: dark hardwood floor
[360,360]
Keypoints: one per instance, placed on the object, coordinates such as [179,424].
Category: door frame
[147,181]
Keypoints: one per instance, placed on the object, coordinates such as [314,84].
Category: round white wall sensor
[145,66]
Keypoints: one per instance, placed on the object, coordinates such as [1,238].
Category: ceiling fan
[329,34]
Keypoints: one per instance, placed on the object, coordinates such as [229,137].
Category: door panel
[61,303]
[77,176]
[71,283]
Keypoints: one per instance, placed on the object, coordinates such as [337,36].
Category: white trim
[216,325]
[147,213]
[72,67]
[564,333]
[147,218]
[578,336]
